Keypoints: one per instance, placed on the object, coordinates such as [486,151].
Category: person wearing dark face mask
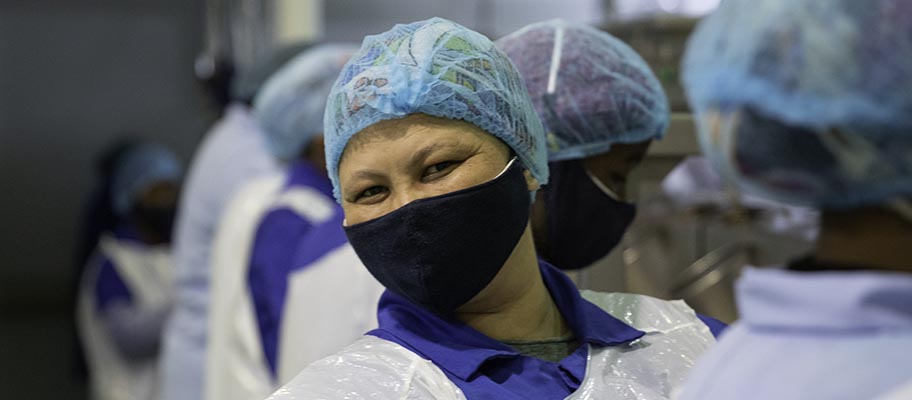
[602,107]
[126,290]
[435,153]
[803,102]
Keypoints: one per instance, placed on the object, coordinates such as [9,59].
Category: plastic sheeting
[650,368]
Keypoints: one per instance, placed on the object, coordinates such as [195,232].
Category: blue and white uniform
[232,153]
[125,298]
[631,347]
[849,331]
[306,202]
[284,310]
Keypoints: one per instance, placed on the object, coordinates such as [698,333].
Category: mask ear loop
[602,186]
[509,164]
[858,157]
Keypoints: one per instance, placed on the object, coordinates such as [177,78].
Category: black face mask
[584,221]
[156,222]
[441,251]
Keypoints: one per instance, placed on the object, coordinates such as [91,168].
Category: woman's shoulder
[648,314]
[371,367]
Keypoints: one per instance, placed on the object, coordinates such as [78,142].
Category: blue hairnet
[590,89]
[439,68]
[248,80]
[290,106]
[829,121]
[139,169]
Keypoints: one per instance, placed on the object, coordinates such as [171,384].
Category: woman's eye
[371,192]
[439,167]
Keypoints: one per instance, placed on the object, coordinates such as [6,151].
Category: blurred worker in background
[97,217]
[256,269]
[806,102]
[127,287]
[602,107]
[232,153]
[435,152]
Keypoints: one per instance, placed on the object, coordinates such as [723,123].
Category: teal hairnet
[137,170]
[824,114]
[291,103]
[590,89]
[439,68]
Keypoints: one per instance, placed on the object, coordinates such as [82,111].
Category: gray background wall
[74,76]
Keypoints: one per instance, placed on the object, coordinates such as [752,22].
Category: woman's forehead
[416,130]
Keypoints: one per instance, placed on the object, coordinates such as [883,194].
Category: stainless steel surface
[711,269]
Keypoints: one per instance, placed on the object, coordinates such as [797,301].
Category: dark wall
[75,75]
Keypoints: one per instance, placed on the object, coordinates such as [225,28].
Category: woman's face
[614,167]
[395,162]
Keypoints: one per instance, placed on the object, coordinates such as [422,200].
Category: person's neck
[868,238]
[517,304]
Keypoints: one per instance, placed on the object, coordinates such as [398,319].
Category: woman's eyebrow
[418,157]
[367,174]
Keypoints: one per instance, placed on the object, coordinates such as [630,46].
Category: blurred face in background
[154,211]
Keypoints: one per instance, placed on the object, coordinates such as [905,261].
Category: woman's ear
[531,182]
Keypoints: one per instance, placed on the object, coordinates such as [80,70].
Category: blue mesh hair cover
[591,89]
[290,106]
[439,68]
[814,98]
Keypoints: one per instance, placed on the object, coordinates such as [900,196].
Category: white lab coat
[824,335]
[148,274]
[650,368]
[901,393]
[232,153]
[329,303]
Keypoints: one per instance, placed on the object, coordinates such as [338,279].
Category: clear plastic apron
[651,368]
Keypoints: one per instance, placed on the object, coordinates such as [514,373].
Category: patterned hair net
[290,106]
[439,68]
[590,89]
[137,170]
[813,98]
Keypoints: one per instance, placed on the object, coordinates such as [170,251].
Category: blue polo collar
[462,351]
